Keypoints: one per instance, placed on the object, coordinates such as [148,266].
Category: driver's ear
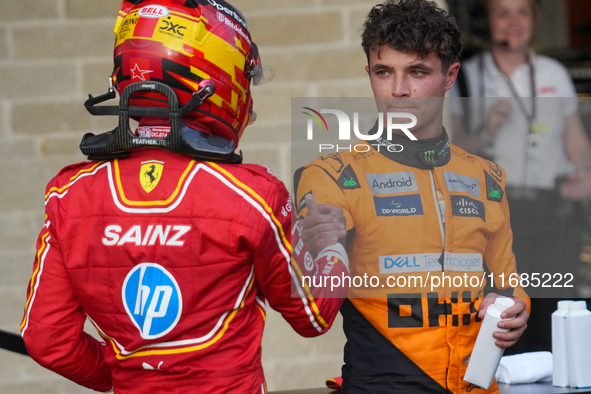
[452,75]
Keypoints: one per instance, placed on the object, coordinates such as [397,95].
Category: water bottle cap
[504,302]
[577,305]
[563,304]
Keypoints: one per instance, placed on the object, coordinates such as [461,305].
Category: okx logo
[386,122]
[152,299]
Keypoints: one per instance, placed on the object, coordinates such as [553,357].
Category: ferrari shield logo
[150,174]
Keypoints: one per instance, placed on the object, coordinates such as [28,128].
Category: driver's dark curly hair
[413,26]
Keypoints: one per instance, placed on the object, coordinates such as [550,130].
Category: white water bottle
[577,326]
[486,356]
[559,354]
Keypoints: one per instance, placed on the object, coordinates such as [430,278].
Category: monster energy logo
[430,156]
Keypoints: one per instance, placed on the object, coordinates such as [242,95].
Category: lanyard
[532,137]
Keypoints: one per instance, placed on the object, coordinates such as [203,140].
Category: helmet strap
[181,139]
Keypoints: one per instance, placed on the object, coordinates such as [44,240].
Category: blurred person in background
[523,115]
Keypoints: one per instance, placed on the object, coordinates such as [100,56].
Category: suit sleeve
[499,254]
[308,306]
[53,324]
[322,183]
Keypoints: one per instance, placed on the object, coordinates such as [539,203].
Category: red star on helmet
[138,73]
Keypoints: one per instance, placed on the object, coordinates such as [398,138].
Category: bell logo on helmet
[153,11]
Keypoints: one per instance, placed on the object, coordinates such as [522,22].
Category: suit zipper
[439,214]
[440,218]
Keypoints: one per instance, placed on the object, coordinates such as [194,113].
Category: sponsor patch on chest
[462,183]
[467,207]
[406,205]
[398,182]
[430,262]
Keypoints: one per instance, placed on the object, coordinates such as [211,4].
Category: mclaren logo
[150,174]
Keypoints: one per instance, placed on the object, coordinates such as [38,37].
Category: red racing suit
[428,237]
[172,260]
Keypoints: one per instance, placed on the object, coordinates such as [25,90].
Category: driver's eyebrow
[380,67]
[413,67]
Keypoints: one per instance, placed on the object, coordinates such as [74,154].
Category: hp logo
[152,299]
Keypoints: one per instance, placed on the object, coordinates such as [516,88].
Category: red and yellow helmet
[187,44]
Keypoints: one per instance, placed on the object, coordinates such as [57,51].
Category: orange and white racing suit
[428,238]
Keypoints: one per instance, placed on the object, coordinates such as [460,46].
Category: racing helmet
[186,45]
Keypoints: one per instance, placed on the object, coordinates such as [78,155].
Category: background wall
[54,52]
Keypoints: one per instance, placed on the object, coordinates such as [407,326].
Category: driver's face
[403,82]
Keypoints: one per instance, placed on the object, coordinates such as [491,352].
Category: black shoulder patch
[348,179]
[335,161]
[495,171]
[494,192]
